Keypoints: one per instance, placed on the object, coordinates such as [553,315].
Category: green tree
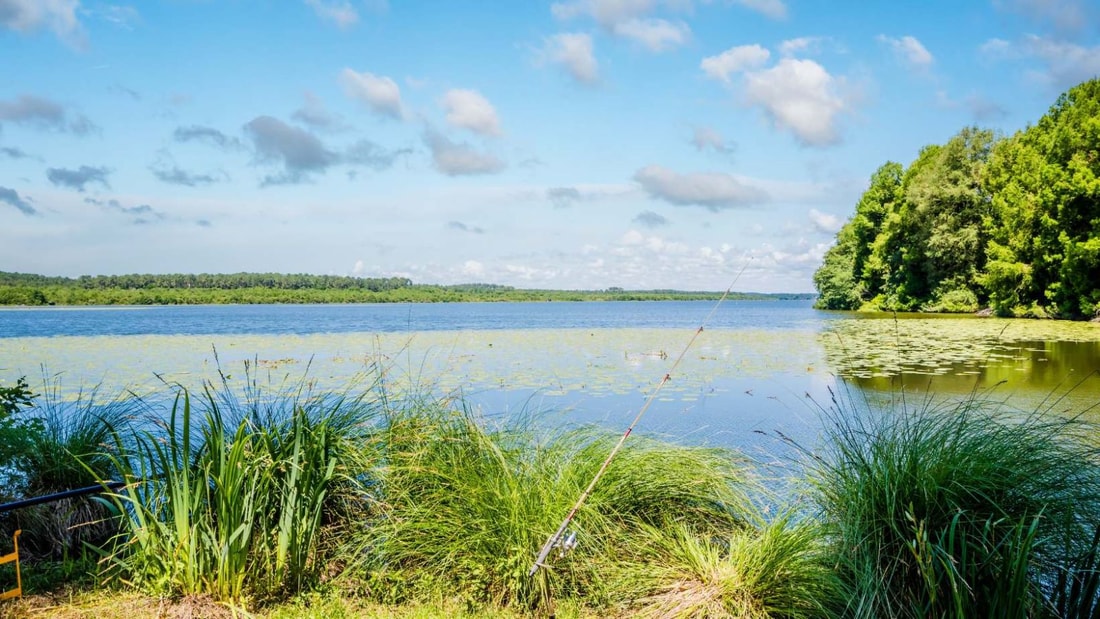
[1042,255]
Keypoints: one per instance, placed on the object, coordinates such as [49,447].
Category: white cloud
[790,47]
[57,15]
[909,50]
[657,35]
[459,159]
[734,60]
[800,96]
[712,190]
[380,93]
[574,52]
[468,109]
[824,222]
[339,12]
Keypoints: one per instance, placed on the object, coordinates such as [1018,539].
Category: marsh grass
[958,509]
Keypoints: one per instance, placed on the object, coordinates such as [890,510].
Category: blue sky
[570,144]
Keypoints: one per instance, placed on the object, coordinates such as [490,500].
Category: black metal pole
[57,496]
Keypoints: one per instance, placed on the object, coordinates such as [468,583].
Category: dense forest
[219,288]
[983,221]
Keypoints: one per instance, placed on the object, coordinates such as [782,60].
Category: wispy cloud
[11,197]
[909,50]
[42,113]
[58,16]
[650,219]
[174,175]
[339,12]
[458,158]
[714,191]
[573,51]
[461,227]
[298,151]
[207,135]
[705,138]
[78,178]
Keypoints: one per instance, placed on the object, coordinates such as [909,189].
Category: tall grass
[233,501]
[957,510]
[466,508]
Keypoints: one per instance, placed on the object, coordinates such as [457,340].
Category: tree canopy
[1009,223]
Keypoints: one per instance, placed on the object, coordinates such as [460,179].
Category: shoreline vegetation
[286,502]
[1010,224]
[24,289]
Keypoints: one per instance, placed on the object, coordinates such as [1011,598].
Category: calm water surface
[758,366]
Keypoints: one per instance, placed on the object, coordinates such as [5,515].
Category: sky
[576,144]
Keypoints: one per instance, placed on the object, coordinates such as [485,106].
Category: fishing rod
[99,488]
[559,538]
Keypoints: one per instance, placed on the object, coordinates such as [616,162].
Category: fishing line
[559,538]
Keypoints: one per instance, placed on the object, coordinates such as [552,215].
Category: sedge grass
[956,510]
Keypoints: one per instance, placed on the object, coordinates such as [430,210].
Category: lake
[757,367]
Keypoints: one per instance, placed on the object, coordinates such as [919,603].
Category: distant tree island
[252,288]
[1008,224]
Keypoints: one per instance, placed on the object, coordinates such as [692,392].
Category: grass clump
[62,445]
[961,510]
[467,507]
[780,569]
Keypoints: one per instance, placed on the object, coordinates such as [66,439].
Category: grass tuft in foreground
[959,510]
[467,508]
[779,570]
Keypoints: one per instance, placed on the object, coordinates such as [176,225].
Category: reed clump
[235,498]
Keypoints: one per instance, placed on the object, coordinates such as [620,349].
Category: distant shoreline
[552,297]
[29,290]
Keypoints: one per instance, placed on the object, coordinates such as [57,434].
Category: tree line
[984,221]
[243,288]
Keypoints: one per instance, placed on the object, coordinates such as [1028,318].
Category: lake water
[757,367]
